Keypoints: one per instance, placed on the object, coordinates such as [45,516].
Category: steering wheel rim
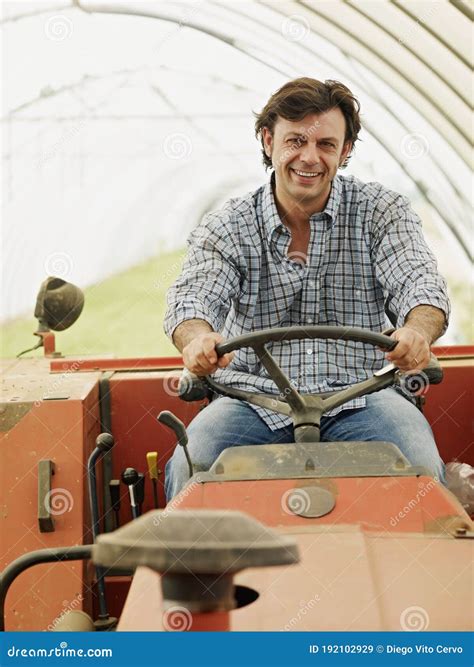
[306,410]
[313,332]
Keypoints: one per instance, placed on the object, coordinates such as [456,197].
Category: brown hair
[300,97]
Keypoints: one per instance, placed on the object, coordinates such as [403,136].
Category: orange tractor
[298,536]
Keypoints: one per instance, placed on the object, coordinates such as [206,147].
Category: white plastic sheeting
[124,121]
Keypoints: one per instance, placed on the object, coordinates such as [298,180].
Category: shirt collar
[271,217]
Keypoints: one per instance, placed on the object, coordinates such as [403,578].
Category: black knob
[105,442]
[129,476]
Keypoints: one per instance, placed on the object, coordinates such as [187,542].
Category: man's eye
[328,143]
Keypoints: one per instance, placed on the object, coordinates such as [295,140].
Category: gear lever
[176,425]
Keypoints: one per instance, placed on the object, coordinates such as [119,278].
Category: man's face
[306,155]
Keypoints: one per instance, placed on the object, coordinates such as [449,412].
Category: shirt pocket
[344,303]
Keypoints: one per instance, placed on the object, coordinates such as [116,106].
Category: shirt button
[309,351]
[311,283]
[309,320]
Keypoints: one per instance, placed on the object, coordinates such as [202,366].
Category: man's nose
[310,153]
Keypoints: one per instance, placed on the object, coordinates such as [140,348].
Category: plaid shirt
[366,254]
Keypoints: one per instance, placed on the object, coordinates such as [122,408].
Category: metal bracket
[45,473]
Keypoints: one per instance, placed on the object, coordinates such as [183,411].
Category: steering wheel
[306,410]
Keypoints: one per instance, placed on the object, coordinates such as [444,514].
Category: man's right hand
[200,355]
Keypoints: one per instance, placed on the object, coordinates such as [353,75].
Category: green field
[122,315]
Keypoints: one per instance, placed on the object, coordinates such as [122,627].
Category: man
[309,247]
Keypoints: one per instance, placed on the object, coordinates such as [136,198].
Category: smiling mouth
[307,174]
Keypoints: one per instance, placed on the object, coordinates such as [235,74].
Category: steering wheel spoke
[306,410]
[270,401]
[370,386]
[293,398]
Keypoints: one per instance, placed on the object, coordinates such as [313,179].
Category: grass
[122,315]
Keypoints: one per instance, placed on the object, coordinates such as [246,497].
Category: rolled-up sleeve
[405,266]
[210,279]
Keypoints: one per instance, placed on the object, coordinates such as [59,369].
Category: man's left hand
[412,352]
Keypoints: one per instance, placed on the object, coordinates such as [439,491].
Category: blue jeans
[228,422]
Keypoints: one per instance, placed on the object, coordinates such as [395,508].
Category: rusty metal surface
[63,432]
[347,580]
[392,504]
[448,408]
[84,364]
[136,400]
[11,413]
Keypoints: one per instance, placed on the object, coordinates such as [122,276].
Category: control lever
[152,461]
[176,425]
[139,489]
[103,444]
[130,478]
[114,490]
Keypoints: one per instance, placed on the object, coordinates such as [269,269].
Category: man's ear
[267,141]
[345,152]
